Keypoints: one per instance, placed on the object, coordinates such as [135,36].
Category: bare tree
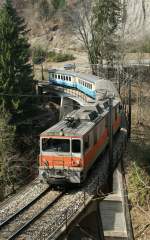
[96,24]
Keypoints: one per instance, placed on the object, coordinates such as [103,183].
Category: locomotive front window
[55,145]
[76,146]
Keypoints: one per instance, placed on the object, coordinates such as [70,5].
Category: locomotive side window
[58,76]
[70,79]
[55,145]
[55,75]
[67,78]
[52,75]
[115,113]
[95,136]
[64,77]
[86,143]
[76,146]
[106,121]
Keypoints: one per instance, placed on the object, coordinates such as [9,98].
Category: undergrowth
[59,57]
[142,47]
[139,173]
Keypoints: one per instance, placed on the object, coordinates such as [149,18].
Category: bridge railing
[72,92]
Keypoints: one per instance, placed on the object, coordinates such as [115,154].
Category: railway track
[14,225]
[21,199]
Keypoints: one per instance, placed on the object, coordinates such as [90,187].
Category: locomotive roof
[87,77]
[84,118]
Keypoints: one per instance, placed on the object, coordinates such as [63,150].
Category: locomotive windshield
[76,146]
[55,145]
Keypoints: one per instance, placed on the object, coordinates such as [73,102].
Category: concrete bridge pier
[61,109]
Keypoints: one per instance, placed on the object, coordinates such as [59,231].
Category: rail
[33,219]
[12,217]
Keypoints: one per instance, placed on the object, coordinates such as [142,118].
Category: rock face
[138,19]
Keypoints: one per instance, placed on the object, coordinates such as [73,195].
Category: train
[69,148]
[83,82]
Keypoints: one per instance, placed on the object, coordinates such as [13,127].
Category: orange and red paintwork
[69,161]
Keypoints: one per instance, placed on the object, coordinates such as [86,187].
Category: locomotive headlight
[76,162]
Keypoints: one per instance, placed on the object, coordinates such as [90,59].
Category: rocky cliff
[138,19]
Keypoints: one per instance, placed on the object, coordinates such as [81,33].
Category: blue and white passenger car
[82,82]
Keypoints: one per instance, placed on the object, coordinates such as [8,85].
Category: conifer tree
[15,70]
[7,136]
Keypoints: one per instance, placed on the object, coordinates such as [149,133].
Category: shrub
[44,9]
[59,57]
[38,55]
[58,4]
[143,47]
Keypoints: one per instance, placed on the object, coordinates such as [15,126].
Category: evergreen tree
[7,137]
[15,70]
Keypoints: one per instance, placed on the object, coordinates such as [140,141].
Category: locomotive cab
[61,158]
